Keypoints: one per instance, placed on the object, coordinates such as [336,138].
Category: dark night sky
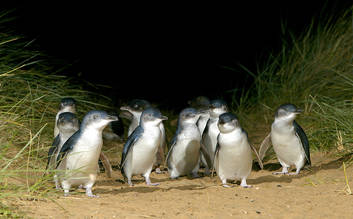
[163,51]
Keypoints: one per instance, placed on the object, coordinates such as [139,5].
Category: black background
[165,53]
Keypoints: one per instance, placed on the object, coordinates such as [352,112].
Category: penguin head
[218,107]
[287,112]
[227,122]
[97,119]
[68,104]
[200,102]
[134,108]
[67,122]
[152,116]
[189,115]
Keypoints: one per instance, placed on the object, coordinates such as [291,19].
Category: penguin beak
[192,115]
[112,118]
[125,108]
[164,118]
[126,115]
[203,111]
[298,111]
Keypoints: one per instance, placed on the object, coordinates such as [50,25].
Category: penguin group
[208,135]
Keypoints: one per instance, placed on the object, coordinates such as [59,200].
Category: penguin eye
[95,117]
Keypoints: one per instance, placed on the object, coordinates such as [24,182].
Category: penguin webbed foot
[280,173]
[152,184]
[66,193]
[93,196]
[90,194]
[226,186]
[130,183]
[207,171]
[195,175]
[148,182]
[244,184]
[294,173]
[283,172]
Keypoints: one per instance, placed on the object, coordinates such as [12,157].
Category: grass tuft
[29,98]
[315,72]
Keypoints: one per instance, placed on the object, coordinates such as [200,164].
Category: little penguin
[233,157]
[141,147]
[289,140]
[132,111]
[209,137]
[67,125]
[201,103]
[67,104]
[78,157]
[184,154]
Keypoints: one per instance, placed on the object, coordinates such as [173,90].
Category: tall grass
[29,97]
[315,72]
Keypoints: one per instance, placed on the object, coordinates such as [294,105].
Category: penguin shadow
[269,179]
[334,164]
[273,167]
[186,187]
[145,189]
[306,171]
[128,189]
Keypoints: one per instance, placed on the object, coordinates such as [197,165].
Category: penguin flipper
[173,143]
[129,144]
[257,156]
[203,148]
[52,150]
[205,131]
[106,164]
[304,140]
[215,155]
[162,146]
[206,155]
[265,145]
[67,147]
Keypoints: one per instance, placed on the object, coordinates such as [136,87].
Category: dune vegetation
[313,71]
[30,91]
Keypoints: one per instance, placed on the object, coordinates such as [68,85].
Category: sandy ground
[316,193]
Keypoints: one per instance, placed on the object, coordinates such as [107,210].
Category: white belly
[185,156]
[82,162]
[288,149]
[234,160]
[143,153]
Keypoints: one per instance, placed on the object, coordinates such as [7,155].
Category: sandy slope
[316,193]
